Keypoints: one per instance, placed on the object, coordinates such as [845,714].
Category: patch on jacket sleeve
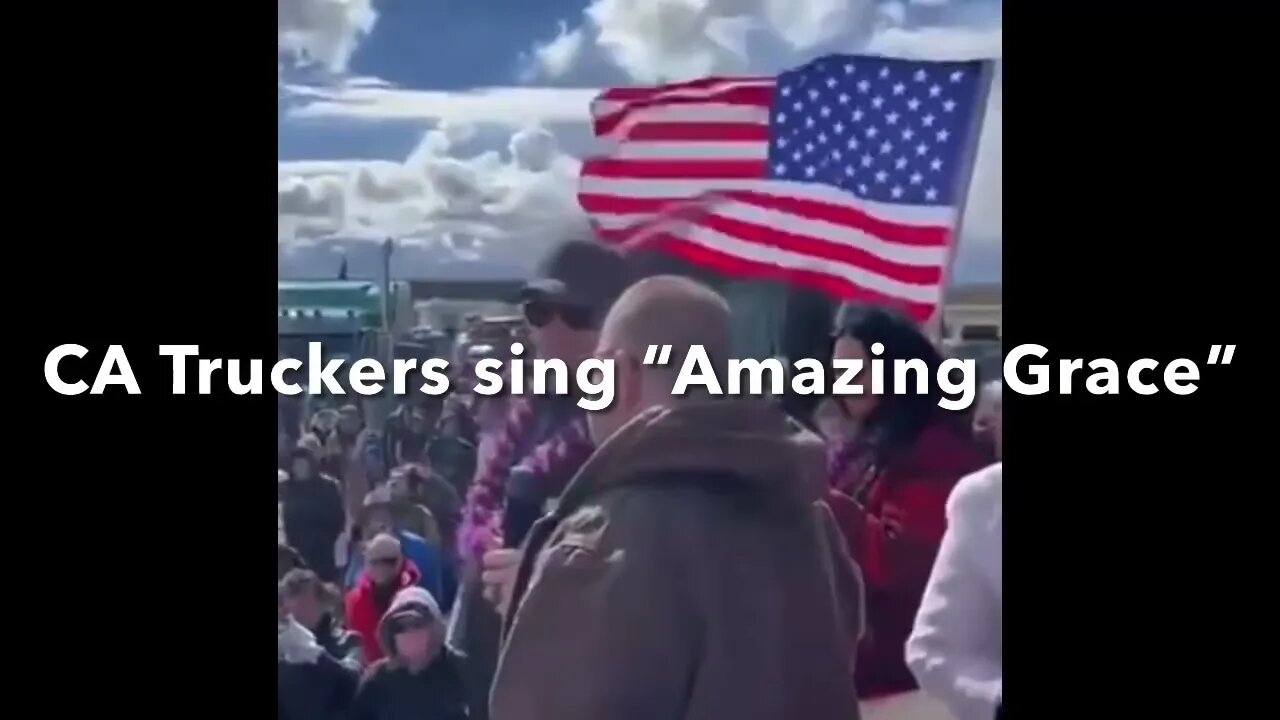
[584,529]
[577,549]
[575,565]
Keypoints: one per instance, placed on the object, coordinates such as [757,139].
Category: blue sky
[458,124]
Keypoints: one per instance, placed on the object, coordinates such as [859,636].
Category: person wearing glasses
[530,456]
[386,572]
[417,679]
[379,517]
[563,310]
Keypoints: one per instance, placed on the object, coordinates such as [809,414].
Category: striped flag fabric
[847,174]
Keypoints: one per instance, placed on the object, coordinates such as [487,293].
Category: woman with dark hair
[889,489]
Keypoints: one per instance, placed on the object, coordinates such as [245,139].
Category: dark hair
[898,419]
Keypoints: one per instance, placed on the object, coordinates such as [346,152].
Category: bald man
[690,570]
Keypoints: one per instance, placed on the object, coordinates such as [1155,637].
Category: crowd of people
[688,556]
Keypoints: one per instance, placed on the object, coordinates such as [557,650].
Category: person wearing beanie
[417,679]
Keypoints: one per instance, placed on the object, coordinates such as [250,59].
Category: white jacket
[955,649]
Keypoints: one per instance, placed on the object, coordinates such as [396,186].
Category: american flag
[847,174]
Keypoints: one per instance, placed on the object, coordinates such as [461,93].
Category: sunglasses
[540,313]
[385,561]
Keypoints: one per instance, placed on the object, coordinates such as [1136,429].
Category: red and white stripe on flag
[689,171]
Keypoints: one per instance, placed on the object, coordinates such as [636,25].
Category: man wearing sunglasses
[534,452]
[387,572]
[690,569]
[577,284]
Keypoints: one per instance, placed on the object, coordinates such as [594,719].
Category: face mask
[414,645]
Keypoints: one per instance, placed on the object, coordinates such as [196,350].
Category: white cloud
[939,43]
[383,187]
[661,40]
[533,149]
[891,14]
[512,106]
[654,40]
[318,168]
[511,207]
[322,31]
[311,197]
[556,57]
[810,24]
[310,206]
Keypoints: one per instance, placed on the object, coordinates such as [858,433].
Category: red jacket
[366,606]
[894,540]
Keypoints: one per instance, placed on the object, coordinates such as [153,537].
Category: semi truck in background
[351,319]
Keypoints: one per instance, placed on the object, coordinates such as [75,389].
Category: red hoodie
[366,605]
[894,540]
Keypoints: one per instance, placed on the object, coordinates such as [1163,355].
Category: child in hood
[417,679]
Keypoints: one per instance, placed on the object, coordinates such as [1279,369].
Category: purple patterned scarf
[554,461]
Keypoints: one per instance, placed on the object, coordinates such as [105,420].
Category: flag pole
[388,247]
[935,326]
[387,307]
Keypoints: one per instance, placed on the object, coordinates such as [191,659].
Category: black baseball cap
[580,272]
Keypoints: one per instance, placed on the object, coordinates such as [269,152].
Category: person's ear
[628,379]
